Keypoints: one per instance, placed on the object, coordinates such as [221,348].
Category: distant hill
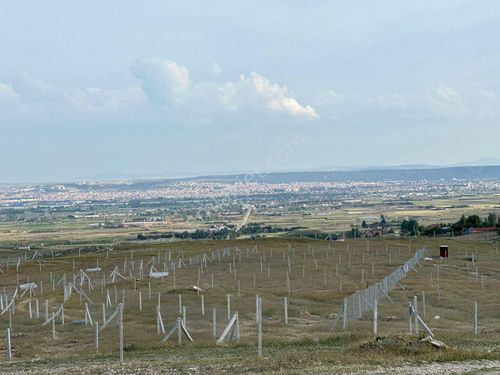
[367,175]
[467,173]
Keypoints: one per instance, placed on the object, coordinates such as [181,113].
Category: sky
[128,89]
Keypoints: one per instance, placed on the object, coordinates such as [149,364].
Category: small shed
[443,251]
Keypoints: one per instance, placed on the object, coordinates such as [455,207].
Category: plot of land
[314,276]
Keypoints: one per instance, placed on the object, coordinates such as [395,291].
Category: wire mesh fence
[254,294]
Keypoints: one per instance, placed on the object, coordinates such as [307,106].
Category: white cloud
[166,83]
[175,95]
[163,81]
[275,97]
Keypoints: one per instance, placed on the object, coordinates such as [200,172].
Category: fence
[356,305]
[254,294]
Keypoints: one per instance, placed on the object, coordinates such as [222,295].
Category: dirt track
[149,367]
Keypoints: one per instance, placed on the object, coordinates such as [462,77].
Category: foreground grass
[349,351]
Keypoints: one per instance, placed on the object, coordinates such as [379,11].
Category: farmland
[66,216]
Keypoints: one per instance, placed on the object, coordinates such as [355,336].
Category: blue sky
[170,88]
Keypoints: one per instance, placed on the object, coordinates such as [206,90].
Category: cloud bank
[161,87]
[166,83]
[164,92]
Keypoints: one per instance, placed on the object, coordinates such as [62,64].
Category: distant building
[108,224]
[480,230]
[21,246]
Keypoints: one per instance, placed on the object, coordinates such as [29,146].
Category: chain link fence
[254,295]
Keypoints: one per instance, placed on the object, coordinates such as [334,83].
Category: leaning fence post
[474,318]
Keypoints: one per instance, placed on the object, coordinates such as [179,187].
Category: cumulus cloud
[163,89]
[163,81]
[166,83]
[275,97]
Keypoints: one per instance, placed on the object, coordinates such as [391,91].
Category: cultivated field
[63,233]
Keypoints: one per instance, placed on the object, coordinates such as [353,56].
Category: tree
[461,222]
[473,221]
[355,233]
[413,225]
[383,222]
[492,219]
[409,227]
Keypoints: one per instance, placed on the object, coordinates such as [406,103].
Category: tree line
[411,227]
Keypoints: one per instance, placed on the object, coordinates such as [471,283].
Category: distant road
[246,216]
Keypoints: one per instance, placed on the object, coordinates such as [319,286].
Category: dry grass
[312,304]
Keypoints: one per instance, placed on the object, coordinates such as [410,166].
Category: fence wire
[147,299]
